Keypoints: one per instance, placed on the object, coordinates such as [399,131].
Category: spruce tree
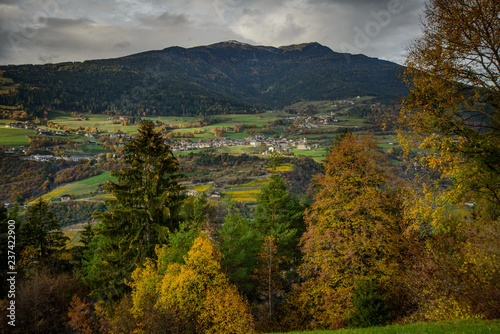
[142,215]
[279,214]
[42,232]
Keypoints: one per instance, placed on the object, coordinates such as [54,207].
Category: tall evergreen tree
[42,232]
[240,242]
[279,214]
[145,211]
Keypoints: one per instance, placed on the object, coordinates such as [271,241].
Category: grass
[318,154]
[16,137]
[98,179]
[92,121]
[284,168]
[12,137]
[53,194]
[203,187]
[74,238]
[255,183]
[100,122]
[456,326]
[80,188]
[243,195]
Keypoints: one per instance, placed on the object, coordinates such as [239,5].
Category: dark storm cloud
[34,31]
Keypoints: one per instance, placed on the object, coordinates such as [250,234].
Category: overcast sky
[50,31]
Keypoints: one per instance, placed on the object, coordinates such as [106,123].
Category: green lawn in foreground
[472,326]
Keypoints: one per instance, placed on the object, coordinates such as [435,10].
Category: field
[100,122]
[318,142]
[317,154]
[256,183]
[17,137]
[12,137]
[457,326]
[80,189]
[243,195]
[202,187]
[284,168]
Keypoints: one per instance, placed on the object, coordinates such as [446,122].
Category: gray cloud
[33,32]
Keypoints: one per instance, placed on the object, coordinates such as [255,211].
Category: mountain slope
[206,79]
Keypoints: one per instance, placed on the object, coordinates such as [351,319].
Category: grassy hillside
[457,326]
[82,188]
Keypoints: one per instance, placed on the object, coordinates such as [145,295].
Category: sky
[52,31]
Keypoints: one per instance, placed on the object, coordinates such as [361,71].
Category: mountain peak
[302,46]
[230,43]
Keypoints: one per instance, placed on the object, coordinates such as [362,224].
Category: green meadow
[81,189]
[14,137]
[318,154]
[471,326]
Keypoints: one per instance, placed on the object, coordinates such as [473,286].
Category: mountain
[216,78]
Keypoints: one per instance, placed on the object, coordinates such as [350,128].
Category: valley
[206,147]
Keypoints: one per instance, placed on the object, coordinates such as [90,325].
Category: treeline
[24,180]
[205,158]
[95,88]
[75,212]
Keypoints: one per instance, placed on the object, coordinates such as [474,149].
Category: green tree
[370,308]
[199,211]
[269,277]
[42,232]
[78,251]
[240,243]
[279,214]
[144,213]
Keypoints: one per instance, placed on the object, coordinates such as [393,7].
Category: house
[18,125]
[42,157]
[302,145]
[45,132]
[255,143]
[65,198]
[215,194]
[192,192]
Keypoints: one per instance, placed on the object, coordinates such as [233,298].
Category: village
[277,144]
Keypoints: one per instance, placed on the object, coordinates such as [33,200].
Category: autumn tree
[453,71]
[145,210]
[352,231]
[452,117]
[194,297]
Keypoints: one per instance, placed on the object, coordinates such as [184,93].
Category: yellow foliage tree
[452,116]
[195,297]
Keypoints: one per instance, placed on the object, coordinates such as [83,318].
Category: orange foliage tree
[352,232]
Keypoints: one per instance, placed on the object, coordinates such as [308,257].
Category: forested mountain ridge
[217,78]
